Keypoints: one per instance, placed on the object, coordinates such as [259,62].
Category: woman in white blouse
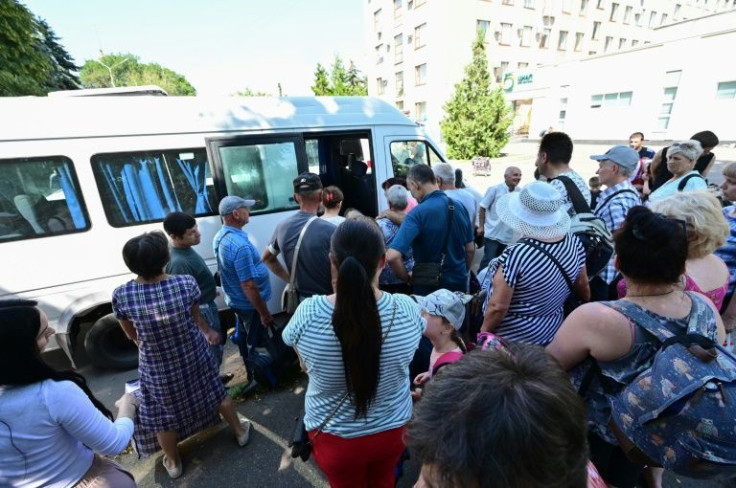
[51,424]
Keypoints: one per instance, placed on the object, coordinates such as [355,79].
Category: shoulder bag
[300,443]
[290,296]
[430,274]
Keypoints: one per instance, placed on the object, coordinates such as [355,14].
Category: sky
[220,46]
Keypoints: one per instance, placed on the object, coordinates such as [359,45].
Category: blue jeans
[491,249]
[251,333]
[212,317]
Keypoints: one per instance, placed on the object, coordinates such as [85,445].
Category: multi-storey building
[422,46]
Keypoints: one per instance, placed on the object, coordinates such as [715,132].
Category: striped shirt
[612,210]
[535,311]
[311,333]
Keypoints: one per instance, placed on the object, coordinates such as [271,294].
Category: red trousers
[363,462]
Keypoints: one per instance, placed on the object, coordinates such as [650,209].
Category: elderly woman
[681,157]
[398,201]
[51,425]
[180,391]
[533,278]
[651,250]
[727,252]
[356,346]
[707,230]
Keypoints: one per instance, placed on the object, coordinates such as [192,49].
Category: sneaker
[243,438]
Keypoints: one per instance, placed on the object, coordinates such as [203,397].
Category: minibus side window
[140,187]
[405,154]
[263,172]
[40,197]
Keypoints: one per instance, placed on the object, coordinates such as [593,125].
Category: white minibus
[79,176]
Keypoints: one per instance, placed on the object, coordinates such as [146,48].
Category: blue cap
[231,203]
[624,156]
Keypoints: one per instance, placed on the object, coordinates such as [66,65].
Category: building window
[614,11]
[499,71]
[607,45]
[400,84]
[420,111]
[562,41]
[505,34]
[397,10]
[526,36]
[676,14]
[609,100]
[400,105]
[637,19]
[529,4]
[621,43]
[377,20]
[663,19]
[583,6]
[398,49]
[483,26]
[380,86]
[544,38]
[419,3]
[665,111]
[726,90]
[420,74]
[652,18]
[522,65]
[600,5]
[596,29]
[579,41]
[627,14]
[562,114]
[409,6]
[418,37]
[634,42]
[379,54]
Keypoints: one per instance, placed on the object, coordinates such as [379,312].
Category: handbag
[430,274]
[573,301]
[300,443]
[290,296]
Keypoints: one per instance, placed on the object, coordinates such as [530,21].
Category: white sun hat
[536,211]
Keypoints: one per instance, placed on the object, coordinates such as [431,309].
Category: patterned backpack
[680,413]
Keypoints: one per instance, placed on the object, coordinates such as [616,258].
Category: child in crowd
[595,190]
[444,312]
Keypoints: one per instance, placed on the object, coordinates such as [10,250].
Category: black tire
[108,347]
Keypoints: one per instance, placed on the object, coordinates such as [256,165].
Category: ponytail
[455,337]
[357,246]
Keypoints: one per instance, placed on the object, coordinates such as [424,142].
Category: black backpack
[591,230]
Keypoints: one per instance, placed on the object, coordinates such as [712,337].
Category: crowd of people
[386,319]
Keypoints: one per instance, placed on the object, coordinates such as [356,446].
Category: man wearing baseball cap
[614,169]
[244,277]
[312,270]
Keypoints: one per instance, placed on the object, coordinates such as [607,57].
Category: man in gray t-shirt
[313,275]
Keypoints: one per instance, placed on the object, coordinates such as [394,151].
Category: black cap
[307,182]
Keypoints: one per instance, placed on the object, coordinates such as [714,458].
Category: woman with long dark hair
[356,346]
[51,424]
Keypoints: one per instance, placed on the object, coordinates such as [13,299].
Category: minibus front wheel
[108,347]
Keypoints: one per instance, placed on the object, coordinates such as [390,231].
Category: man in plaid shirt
[614,169]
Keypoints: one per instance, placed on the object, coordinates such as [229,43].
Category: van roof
[120,91]
[29,118]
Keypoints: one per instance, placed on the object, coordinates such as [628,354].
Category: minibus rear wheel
[108,347]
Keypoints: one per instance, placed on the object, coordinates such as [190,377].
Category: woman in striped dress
[525,302]
[356,346]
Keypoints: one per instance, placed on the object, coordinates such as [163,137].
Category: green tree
[25,67]
[250,93]
[477,117]
[125,69]
[339,81]
[321,85]
[63,75]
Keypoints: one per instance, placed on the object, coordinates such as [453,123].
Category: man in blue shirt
[424,232]
[244,277]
